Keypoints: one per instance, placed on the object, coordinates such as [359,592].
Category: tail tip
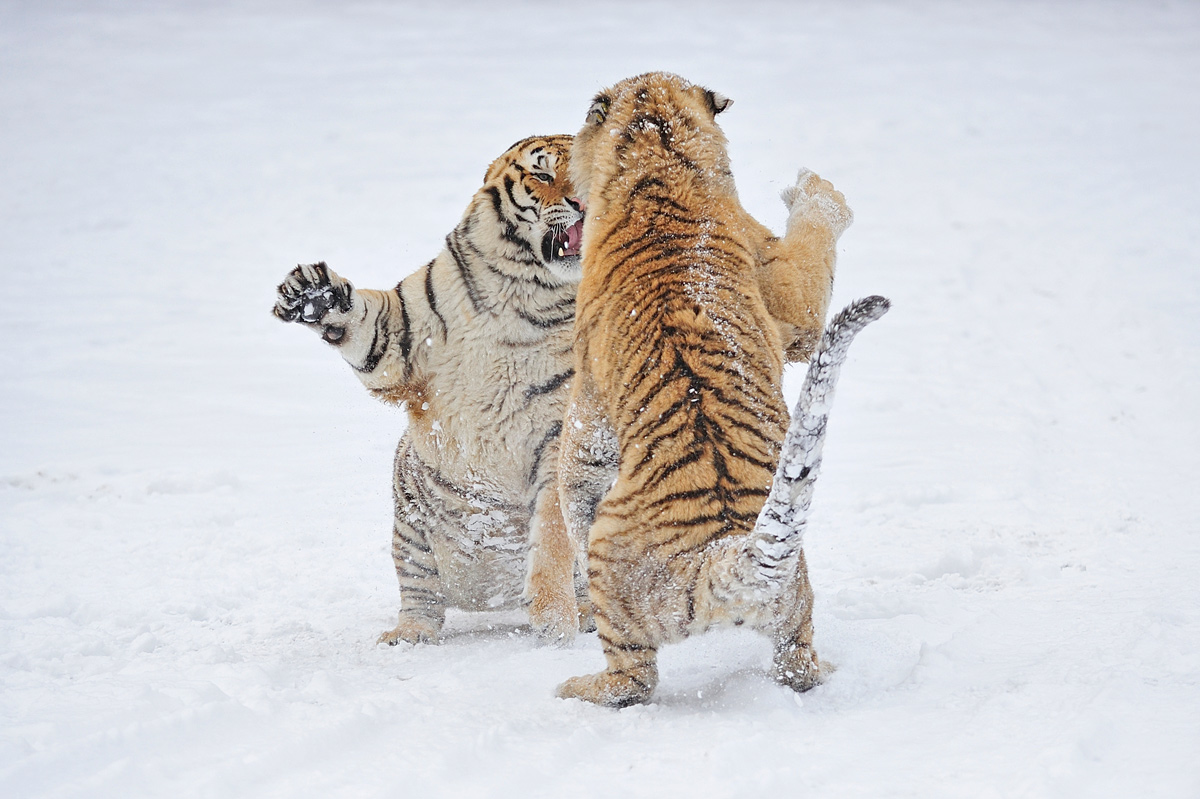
[861,313]
[874,306]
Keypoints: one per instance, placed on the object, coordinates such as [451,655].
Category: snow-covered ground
[194,498]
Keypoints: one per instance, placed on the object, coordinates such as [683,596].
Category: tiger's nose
[577,204]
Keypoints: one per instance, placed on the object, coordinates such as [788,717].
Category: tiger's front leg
[550,584]
[588,460]
[796,271]
[587,467]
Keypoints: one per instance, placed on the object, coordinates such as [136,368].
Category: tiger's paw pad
[554,618]
[607,689]
[814,200]
[310,292]
[412,630]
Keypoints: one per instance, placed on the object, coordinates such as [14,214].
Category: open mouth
[560,244]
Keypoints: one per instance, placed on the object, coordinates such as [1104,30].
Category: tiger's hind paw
[814,200]
[413,630]
[799,669]
[611,689]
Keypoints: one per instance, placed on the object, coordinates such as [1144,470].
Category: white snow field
[195,499]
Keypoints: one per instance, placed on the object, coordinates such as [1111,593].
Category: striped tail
[766,558]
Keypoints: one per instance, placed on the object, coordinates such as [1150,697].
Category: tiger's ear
[717,101]
[599,110]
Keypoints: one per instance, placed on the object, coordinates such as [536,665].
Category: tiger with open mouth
[476,345]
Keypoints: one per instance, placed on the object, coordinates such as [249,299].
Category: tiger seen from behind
[676,415]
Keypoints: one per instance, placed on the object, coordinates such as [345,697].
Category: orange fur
[679,356]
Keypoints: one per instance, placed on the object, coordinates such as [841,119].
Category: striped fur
[477,345]
[679,359]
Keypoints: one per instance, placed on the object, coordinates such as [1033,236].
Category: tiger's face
[646,123]
[532,195]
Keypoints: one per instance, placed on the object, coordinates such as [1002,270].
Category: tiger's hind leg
[794,662]
[629,679]
[422,598]
[630,651]
[422,603]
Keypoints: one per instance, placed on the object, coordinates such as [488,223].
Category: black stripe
[545,324]
[644,184]
[693,259]
[691,597]
[713,492]
[607,463]
[431,297]
[435,597]
[406,334]
[726,516]
[549,386]
[611,644]
[630,677]
[643,243]
[424,572]
[643,122]
[668,469]
[508,189]
[464,272]
[417,545]
[497,203]
[552,434]
[508,229]
[378,348]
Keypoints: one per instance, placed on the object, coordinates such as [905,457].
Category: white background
[195,499]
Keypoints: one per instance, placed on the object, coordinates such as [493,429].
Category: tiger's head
[530,195]
[649,123]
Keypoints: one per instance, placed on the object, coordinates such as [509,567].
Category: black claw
[286,314]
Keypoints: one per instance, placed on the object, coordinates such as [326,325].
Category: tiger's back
[693,391]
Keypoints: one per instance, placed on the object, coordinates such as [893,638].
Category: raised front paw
[814,200]
[313,294]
